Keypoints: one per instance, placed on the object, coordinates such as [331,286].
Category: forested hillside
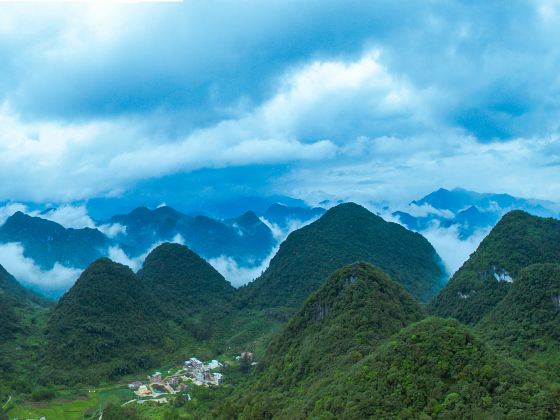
[517,241]
[345,234]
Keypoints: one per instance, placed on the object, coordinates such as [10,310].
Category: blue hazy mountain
[282,215]
[47,242]
[469,210]
[191,194]
[246,239]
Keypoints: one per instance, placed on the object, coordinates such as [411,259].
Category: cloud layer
[343,100]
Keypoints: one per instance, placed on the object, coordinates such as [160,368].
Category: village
[159,387]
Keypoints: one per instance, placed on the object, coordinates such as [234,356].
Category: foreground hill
[11,294]
[345,234]
[15,299]
[432,369]
[527,320]
[107,324]
[344,320]
[517,241]
[182,281]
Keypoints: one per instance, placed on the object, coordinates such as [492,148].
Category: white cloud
[238,275]
[426,210]
[28,273]
[453,251]
[70,216]
[112,230]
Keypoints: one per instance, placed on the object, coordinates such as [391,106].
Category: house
[213,364]
[156,377]
[218,378]
[134,385]
[193,363]
[143,390]
[172,382]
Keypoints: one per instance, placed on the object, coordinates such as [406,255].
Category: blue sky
[315,99]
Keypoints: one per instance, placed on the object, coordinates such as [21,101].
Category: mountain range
[469,211]
[247,239]
[338,323]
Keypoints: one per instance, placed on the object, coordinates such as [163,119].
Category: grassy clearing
[71,404]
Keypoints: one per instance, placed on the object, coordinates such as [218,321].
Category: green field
[70,405]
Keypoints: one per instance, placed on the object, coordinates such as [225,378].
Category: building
[193,363]
[156,377]
[134,385]
[173,382]
[218,378]
[213,364]
[143,391]
[199,376]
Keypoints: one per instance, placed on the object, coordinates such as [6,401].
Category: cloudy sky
[315,99]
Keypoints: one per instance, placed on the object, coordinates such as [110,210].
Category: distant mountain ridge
[48,242]
[247,239]
[468,210]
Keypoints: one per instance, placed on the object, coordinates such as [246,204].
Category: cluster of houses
[203,374]
[193,371]
[157,385]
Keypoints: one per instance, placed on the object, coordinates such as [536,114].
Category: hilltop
[107,324]
[345,234]
[431,369]
[517,241]
[344,320]
[183,282]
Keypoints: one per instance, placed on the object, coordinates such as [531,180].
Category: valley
[350,303]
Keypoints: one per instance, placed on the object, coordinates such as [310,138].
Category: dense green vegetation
[517,241]
[345,234]
[10,294]
[432,369]
[107,324]
[527,320]
[338,325]
[183,282]
[358,346]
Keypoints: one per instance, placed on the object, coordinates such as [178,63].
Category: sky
[353,100]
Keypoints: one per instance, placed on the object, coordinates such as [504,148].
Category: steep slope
[345,234]
[14,298]
[47,242]
[182,281]
[527,320]
[9,294]
[344,320]
[432,369]
[517,241]
[107,324]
